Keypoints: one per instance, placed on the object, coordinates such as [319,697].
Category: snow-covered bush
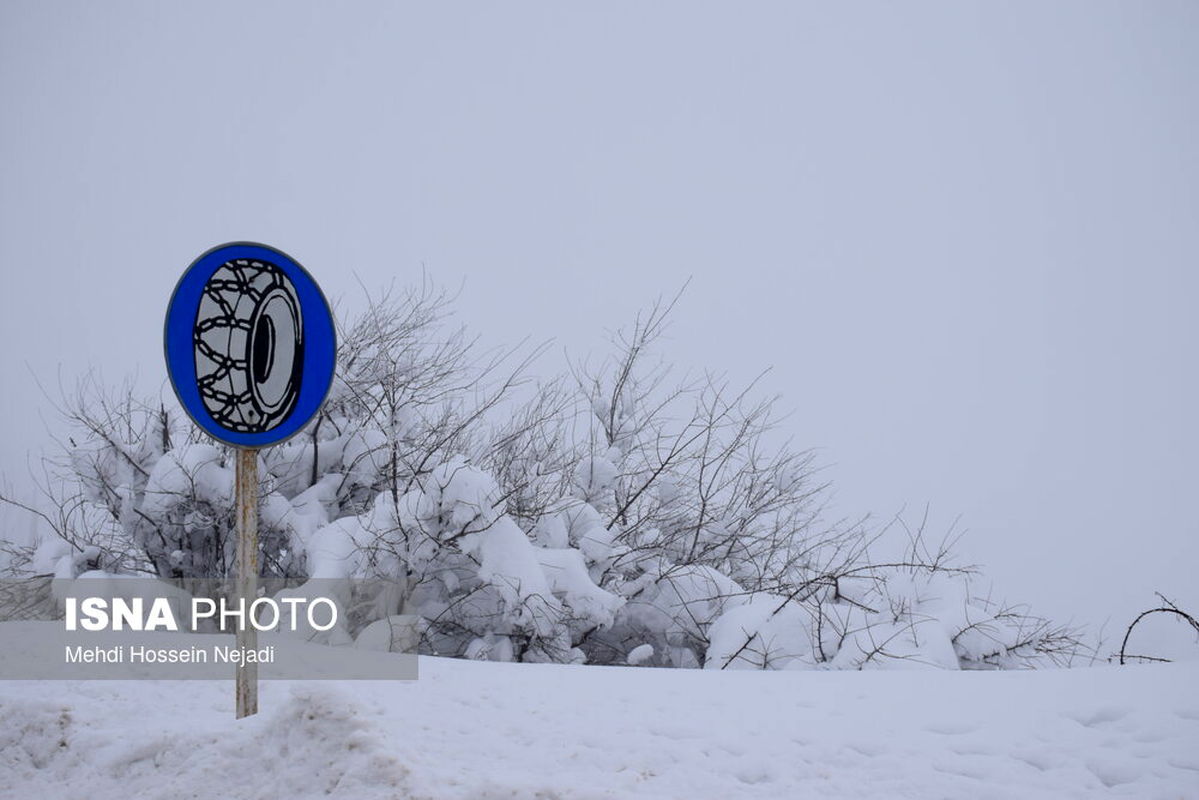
[621,516]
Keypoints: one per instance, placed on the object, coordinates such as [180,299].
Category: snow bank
[317,742]
[489,730]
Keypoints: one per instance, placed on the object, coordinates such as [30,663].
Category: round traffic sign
[250,344]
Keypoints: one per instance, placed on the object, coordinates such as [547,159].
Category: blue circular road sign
[250,344]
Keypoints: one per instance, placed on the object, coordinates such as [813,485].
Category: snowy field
[488,730]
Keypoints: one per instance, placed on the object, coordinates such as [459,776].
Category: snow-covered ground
[489,730]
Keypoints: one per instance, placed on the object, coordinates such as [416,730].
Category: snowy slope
[487,730]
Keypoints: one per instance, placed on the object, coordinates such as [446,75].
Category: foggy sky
[963,236]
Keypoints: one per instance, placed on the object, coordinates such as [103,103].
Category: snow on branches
[618,515]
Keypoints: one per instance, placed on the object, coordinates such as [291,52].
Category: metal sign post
[246,568]
[250,349]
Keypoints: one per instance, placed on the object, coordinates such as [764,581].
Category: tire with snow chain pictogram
[249,348]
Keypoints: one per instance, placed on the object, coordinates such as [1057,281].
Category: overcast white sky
[964,236]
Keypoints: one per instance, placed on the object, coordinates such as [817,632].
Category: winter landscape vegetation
[620,515]
[785,401]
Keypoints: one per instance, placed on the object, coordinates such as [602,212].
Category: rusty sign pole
[246,569]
